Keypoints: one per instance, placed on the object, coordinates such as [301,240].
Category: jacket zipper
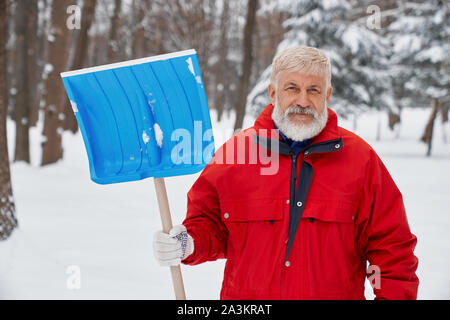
[294,177]
[293,180]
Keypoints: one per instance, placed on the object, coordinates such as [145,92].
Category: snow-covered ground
[70,226]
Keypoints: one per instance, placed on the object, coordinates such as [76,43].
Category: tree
[25,75]
[22,107]
[34,76]
[87,18]
[38,60]
[55,96]
[182,25]
[139,45]
[359,56]
[8,220]
[80,56]
[221,67]
[113,47]
[244,80]
[421,42]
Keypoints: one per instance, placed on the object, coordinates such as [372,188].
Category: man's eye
[314,90]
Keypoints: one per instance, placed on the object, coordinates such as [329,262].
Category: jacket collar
[327,140]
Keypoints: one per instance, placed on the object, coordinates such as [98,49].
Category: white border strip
[128,63]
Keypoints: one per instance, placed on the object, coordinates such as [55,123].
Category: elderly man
[307,230]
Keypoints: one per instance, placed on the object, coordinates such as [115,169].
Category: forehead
[301,79]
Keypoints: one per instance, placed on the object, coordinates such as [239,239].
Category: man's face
[300,102]
[296,89]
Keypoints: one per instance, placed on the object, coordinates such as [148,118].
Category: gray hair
[308,60]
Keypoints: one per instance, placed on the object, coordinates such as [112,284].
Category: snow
[361,91]
[190,66]
[48,68]
[434,54]
[408,24]
[158,134]
[145,137]
[191,69]
[81,240]
[74,106]
[51,38]
[330,4]
[351,38]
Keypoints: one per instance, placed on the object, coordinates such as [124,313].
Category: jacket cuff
[393,289]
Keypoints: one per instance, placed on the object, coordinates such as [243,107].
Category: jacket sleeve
[385,237]
[203,220]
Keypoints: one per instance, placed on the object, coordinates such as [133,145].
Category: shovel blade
[142,118]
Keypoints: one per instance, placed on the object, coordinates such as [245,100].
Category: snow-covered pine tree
[421,56]
[358,55]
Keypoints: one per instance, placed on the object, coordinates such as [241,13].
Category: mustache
[301,110]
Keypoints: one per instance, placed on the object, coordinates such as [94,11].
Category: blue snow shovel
[144,118]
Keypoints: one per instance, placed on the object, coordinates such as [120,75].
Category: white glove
[170,249]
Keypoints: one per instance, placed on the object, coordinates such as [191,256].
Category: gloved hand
[170,249]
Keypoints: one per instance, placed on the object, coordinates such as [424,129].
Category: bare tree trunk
[444,113]
[270,32]
[394,122]
[244,80]
[22,108]
[427,136]
[10,64]
[8,219]
[138,43]
[222,68]
[33,75]
[80,57]
[40,60]
[393,119]
[97,47]
[444,118]
[87,18]
[113,46]
[55,95]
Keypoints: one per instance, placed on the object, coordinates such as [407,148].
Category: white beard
[299,132]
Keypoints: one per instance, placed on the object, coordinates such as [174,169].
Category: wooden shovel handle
[166,220]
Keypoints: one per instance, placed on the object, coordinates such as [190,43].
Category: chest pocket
[330,225]
[331,211]
[253,224]
[252,210]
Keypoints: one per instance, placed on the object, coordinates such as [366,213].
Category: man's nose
[302,99]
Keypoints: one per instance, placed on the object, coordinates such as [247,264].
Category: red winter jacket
[305,233]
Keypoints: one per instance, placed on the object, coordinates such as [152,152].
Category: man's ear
[272,93]
[330,89]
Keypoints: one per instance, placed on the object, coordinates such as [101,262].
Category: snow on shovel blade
[142,118]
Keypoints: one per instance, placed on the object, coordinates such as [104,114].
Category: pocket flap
[329,210]
[253,210]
